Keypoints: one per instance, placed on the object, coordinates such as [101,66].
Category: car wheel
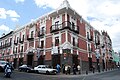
[36,71]
[55,72]
[47,72]
[1,69]
[20,70]
[27,71]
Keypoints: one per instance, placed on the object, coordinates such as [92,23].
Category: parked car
[25,68]
[2,64]
[45,69]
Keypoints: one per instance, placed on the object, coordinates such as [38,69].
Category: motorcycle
[8,72]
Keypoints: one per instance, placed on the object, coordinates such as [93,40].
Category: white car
[45,69]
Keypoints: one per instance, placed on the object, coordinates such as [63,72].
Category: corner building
[59,37]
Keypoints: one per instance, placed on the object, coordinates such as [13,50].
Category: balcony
[97,42]
[3,46]
[14,52]
[21,41]
[21,51]
[65,25]
[30,38]
[90,50]
[41,47]
[111,58]
[90,38]
[8,44]
[15,43]
[103,46]
[41,33]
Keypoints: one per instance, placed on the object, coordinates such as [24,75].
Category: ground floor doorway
[15,63]
[56,60]
[20,61]
[41,60]
[30,59]
[90,63]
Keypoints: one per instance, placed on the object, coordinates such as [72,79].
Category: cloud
[14,19]
[48,3]
[18,1]
[9,13]
[101,14]
[12,13]
[108,7]
[4,28]
[2,13]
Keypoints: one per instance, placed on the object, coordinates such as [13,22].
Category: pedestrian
[58,68]
[66,69]
[63,68]
[74,69]
[79,68]
[93,68]
[99,68]
[69,69]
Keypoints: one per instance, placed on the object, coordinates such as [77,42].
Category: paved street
[110,75]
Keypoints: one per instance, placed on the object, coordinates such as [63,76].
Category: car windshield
[44,66]
[24,65]
[3,62]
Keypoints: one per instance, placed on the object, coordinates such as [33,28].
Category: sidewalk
[84,73]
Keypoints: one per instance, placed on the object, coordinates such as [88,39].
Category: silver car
[45,69]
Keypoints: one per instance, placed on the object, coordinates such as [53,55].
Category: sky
[101,14]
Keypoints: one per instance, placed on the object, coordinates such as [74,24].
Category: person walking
[79,68]
[74,69]
[69,69]
[66,69]
[93,67]
[58,68]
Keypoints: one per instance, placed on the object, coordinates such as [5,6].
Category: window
[88,35]
[16,49]
[21,48]
[8,52]
[17,39]
[56,24]
[73,41]
[73,25]
[42,30]
[10,40]
[1,43]
[56,41]
[23,38]
[5,41]
[32,34]
[66,50]
[88,47]
[42,44]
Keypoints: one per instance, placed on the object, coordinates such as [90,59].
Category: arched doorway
[55,60]
[30,58]
[15,63]
[41,60]
[20,61]
[75,59]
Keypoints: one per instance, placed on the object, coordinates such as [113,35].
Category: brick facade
[75,38]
